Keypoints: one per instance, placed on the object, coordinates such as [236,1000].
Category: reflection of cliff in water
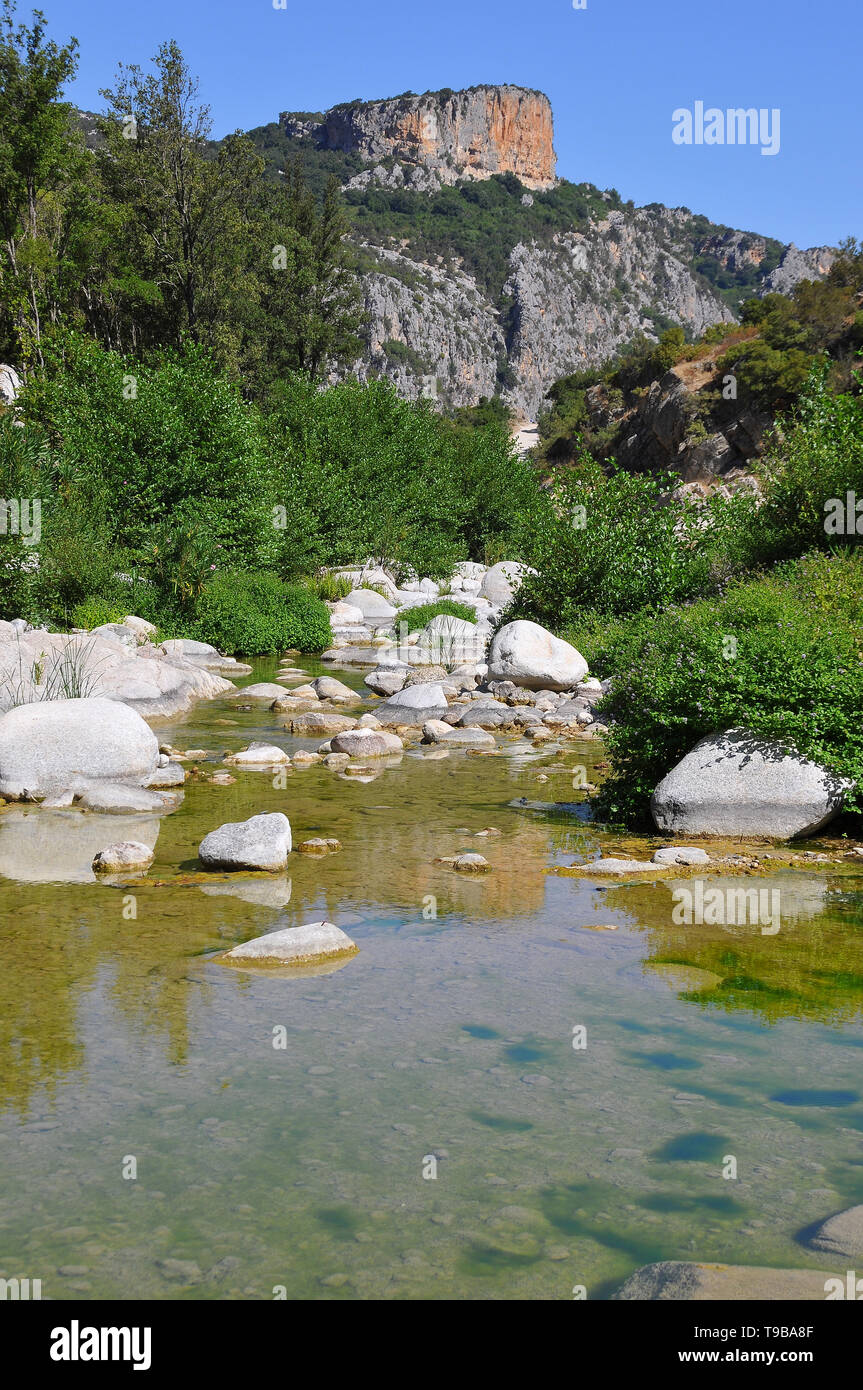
[812,967]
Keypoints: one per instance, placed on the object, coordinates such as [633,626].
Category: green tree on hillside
[39,153]
[311,302]
[189,213]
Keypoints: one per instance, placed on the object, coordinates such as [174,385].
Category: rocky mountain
[442,137]
[485,274]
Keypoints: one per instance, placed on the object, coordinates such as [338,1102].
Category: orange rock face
[472,134]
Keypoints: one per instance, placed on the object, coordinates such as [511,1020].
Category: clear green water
[302,1166]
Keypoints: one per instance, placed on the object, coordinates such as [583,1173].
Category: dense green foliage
[161,472]
[363,473]
[780,655]
[252,613]
[664,601]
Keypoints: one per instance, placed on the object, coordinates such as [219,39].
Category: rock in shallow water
[367,743]
[681,854]
[125,856]
[261,842]
[259,755]
[841,1235]
[436,731]
[315,941]
[734,783]
[319,722]
[45,746]
[109,799]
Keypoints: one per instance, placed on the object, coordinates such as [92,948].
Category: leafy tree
[311,304]
[189,214]
[38,157]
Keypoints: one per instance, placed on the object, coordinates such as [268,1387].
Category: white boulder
[47,745]
[261,842]
[313,942]
[528,655]
[735,783]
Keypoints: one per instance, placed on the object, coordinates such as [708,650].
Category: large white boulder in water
[33,663]
[734,783]
[261,842]
[528,655]
[307,945]
[45,746]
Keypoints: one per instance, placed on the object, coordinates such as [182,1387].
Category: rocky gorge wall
[456,135]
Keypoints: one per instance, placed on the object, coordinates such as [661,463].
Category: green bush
[363,473]
[816,459]
[610,545]
[93,612]
[169,440]
[781,655]
[329,587]
[256,613]
[422,615]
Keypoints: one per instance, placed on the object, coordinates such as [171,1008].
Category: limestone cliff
[453,135]
[496,290]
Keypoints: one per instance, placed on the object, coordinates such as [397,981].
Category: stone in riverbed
[436,731]
[482,717]
[115,799]
[614,866]
[528,655]
[44,746]
[367,743]
[501,582]
[318,846]
[319,722]
[170,775]
[413,705]
[467,863]
[261,690]
[689,1281]
[315,941]
[841,1235]
[261,842]
[259,755]
[126,856]
[371,604]
[734,783]
[387,680]
[681,854]
[337,760]
[328,688]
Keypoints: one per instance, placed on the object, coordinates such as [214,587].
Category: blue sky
[615,72]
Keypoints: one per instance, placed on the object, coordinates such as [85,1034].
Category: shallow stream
[428,1129]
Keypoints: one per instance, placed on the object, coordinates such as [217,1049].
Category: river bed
[417,1123]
